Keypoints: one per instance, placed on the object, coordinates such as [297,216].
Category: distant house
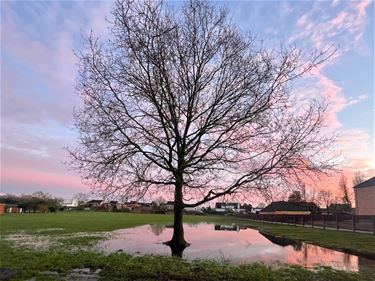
[112,206]
[71,203]
[94,203]
[170,205]
[120,206]
[338,208]
[2,208]
[130,206]
[290,208]
[365,197]
[256,210]
[194,211]
[145,205]
[231,207]
[10,208]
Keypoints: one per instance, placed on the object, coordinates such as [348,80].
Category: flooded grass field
[130,247]
[232,243]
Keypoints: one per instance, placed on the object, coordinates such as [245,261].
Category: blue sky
[38,74]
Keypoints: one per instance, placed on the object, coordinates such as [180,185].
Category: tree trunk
[178,243]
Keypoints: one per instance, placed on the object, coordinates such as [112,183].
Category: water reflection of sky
[236,244]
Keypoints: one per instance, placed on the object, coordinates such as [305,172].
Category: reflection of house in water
[227,227]
[282,241]
[157,229]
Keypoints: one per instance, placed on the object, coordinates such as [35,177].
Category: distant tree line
[35,202]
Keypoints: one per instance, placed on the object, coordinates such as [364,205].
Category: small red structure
[2,209]
[14,210]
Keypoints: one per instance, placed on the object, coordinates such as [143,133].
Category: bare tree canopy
[184,102]
[325,198]
[295,196]
[359,177]
[346,194]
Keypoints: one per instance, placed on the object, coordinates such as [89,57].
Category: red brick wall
[365,200]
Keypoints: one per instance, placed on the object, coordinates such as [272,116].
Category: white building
[71,203]
[228,207]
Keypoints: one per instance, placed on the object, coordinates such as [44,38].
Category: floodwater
[236,244]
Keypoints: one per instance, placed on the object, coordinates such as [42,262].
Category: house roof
[368,183]
[95,201]
[288,206]
[338,205]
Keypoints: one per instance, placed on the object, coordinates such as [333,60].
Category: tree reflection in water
[236,243]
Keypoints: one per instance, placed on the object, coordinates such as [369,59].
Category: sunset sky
[38,75]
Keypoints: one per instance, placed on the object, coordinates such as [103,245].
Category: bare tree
[295,196]
[184,102]
[346,195]
[81,198]
[325,198]
[359,177]
[160,201]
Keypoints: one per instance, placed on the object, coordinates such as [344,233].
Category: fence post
[295,221]
[312,221]
[353,221]
[303,220]
[373,225]
[324,222]
[337,222]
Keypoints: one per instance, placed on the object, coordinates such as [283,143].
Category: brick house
[365,197]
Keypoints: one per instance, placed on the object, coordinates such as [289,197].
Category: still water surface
[234,243]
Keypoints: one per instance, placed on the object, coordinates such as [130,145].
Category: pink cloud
[358,150]
[43,179]
[322,27]
[38,96]
[362,5]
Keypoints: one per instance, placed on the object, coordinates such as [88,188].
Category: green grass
[90,221]
[124,267]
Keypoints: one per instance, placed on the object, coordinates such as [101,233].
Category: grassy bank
[68,222]
[356,243]
[73,251]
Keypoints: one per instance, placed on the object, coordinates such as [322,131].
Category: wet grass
[119,266]
[356,243]
[70,222]
[67,222]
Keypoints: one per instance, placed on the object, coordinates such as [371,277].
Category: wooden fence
[352,223]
